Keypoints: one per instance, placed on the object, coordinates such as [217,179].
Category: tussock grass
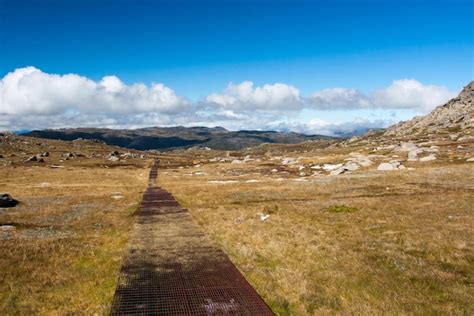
[66,251]
[341,208]
[408,248]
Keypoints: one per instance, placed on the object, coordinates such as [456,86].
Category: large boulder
[351,166]
[7,201]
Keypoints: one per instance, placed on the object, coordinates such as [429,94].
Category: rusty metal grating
[173,269]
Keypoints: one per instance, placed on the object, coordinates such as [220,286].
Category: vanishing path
[173,269]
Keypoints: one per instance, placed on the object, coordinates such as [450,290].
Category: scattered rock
[7,201]
[67,155]
[7,228]
[288,161]
[35,158]
[428,158]
[236,161]
[405,146]
[453,136]
[330,167]
[413,153]
[113,158]
[394,163]
[338,171]
[351,166]
[360,159]
[385,166]
[470,159]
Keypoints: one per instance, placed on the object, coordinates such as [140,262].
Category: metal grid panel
[172,269]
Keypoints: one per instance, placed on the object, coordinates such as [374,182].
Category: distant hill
[168,138]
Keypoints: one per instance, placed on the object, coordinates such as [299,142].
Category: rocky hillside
[178,137]
[456,116]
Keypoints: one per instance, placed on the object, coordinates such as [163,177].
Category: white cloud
[28,90]
[269,97]
[410,93]
[338,98]
[401,94]
[32,99]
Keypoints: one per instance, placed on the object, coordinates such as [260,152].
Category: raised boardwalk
[172,268]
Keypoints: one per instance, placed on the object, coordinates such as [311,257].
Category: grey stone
[7,201]
[385,166]
[428,158]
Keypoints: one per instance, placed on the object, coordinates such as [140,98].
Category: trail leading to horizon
[173,269]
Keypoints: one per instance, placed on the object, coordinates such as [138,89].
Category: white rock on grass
[405,146]
[236,161]
[428,158]
[394,163]
[7,228]
[338,171]
[470,159]
[385,166]
[412,154]
[288,161]
[360,159]
[351,166]
[330,167]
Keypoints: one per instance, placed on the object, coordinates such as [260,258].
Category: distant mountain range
[168,138]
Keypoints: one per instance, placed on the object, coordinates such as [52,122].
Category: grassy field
[71,229]
[363,243]
[366,242]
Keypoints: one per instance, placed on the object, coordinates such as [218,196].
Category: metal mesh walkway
[172,268]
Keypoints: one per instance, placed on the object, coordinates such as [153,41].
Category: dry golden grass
[363,243]
[66,251]
[406,246]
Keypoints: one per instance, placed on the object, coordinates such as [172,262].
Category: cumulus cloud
[338,98]
[401,94]
[33,99]
[244,96]
[410,93]
[30,91]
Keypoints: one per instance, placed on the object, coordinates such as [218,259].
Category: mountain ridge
[169,138]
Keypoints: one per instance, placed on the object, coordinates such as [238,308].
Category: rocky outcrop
[455,116]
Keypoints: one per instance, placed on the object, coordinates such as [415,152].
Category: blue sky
[196,48]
